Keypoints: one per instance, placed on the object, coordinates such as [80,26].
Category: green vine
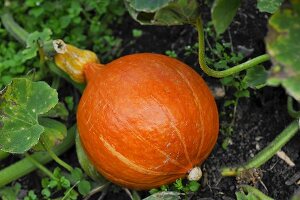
[263,156]
[256,192]
[233,70]
[292,112]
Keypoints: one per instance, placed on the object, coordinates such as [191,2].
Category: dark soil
[258,120]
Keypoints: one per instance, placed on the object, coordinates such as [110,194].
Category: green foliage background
[85,24]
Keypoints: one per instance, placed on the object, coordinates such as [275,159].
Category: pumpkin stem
[59,46]
[91,69]
[73,60]
[195,174]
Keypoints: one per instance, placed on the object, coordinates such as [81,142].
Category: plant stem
[256,192]
[233,70]
[263,156]
[40,166]
[58,160]
[55,82]
[3,155]
[21,35]
[46,48]
[292,112]
[14,29]
[69,190]
[25,166]
[97,189]
[53,68]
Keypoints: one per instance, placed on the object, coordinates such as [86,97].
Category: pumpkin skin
[146,120]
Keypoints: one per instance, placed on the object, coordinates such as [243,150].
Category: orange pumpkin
[146,119]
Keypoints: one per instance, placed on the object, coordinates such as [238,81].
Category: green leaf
[269,6]
[256,77]
[31,196]
[32,43]
[229,102]
[223,12]
[148,6]
[84,187]
[10,193]
[243,196]
[76,175]
[54,133]
[36,12]
[194,186]
[163,12]
[86,164]
[240,196]
[226,143]
[283,45]
[153,191]
[292,86]
[21,104]
[35,36]
[164,196]
[242,93]
[65,183]
[46,192]
[59,111]
[178,184]
[227,81]
[137,33]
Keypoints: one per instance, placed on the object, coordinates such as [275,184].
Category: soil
[258,119]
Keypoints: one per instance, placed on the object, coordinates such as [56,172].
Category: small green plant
[71,184]
[137,33]
[10,193]
[179,188]
[89,23]
[31,195]
[171,53]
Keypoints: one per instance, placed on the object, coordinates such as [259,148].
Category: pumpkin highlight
[146,119]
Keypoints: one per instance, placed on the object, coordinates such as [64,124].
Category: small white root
[195,174]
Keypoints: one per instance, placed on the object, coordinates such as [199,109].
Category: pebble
[293,179]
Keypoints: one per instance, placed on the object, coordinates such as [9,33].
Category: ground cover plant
[258,142]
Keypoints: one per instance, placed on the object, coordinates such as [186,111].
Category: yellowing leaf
[283,45]
[21,104]
[269,6]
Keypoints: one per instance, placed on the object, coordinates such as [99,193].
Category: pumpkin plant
[145,132]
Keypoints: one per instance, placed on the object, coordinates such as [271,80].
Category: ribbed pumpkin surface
[146,120]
